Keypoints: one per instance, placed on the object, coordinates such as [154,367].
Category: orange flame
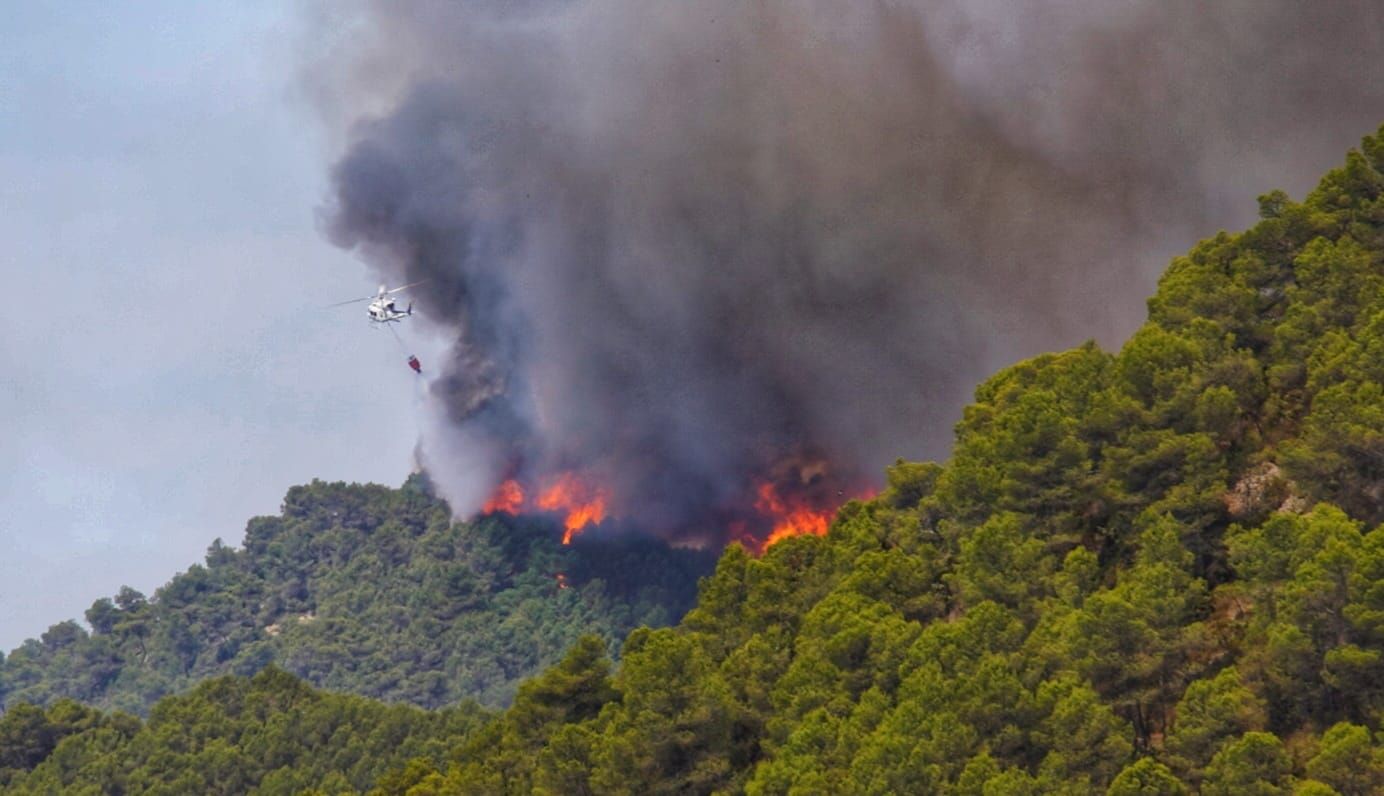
[582,504]
[794,500]
[797,520]
[508,497]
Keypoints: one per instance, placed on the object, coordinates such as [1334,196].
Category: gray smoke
[685,245]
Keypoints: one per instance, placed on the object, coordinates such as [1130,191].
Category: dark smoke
[683,243]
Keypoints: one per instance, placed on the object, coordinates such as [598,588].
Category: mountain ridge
[369,590]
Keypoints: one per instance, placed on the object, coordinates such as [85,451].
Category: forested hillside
[229,735]
[1158,571]
[368,590]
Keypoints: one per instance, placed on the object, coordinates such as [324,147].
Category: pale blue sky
[168,367]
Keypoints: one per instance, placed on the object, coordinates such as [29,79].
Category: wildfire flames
[789,519]
[583,505]
[799,500]
[508,497]
[580,504]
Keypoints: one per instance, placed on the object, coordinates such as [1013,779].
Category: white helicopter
[382,309]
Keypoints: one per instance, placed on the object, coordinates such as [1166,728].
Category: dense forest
[368,590]
[1158,571]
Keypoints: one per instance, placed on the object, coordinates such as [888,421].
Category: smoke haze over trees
[684,246]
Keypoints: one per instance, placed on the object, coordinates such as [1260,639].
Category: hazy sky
[168,367]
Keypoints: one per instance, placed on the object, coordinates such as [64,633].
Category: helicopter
[382,312]
[382,308]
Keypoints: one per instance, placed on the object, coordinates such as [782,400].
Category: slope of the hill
[1152,572]
[229,735]
[368,590]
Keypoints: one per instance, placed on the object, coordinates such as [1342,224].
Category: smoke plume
[688,247]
